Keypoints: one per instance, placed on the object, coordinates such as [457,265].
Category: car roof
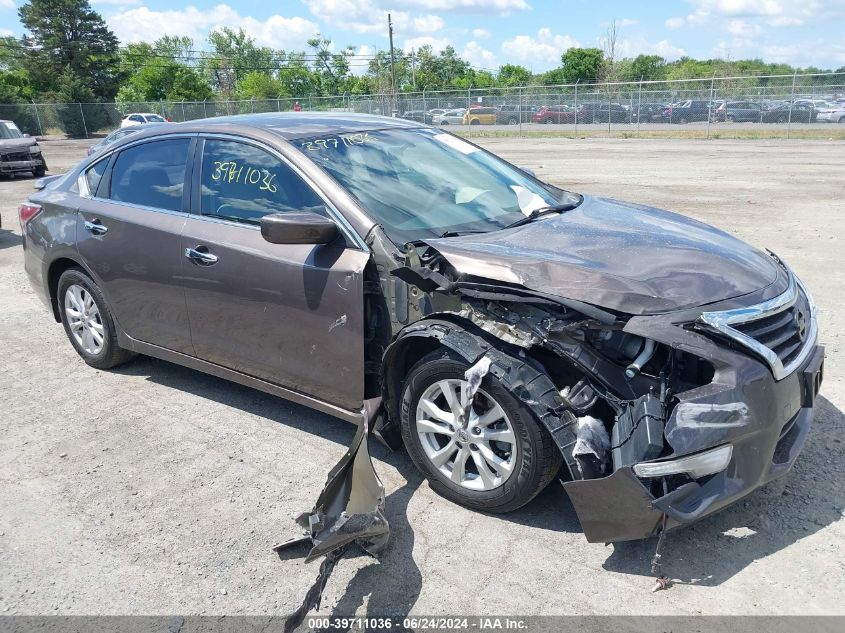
[297,125]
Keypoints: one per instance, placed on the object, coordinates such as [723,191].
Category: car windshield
[421,183]
[9,130]
[154,118]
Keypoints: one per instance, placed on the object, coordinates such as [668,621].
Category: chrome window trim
[721,322]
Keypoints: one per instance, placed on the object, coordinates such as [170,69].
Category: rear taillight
[26,212]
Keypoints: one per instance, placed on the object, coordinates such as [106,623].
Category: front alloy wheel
[478,454]
[490,454]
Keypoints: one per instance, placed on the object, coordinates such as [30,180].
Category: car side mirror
[528,171]
[298,228]
[26,135]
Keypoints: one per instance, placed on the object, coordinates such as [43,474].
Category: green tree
[68,41]
[331,70]
[154,72]
[70,93]
[512,75]
[647,67]
[582,64]
[234,56]
[259,85]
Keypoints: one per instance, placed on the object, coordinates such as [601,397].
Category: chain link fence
[753,106]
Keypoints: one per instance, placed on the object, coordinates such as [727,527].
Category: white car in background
[450,117]
[831,113]
[140,118]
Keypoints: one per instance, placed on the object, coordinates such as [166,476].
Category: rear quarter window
[94,175]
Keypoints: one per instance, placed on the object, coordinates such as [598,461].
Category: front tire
[88,321]
[498,463]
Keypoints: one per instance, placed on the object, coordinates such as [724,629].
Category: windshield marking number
[231,171]
[333,142]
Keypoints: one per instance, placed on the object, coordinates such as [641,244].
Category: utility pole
[392,60]
[414,69]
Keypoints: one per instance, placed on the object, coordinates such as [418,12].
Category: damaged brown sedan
[506,331]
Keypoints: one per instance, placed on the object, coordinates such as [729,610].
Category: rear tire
[88,321]
[522,465]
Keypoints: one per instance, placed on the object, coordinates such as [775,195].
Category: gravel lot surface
[155,489]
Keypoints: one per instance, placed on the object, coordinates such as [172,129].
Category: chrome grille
[782,330]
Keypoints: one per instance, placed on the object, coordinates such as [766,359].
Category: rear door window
[151,174]
[242,183]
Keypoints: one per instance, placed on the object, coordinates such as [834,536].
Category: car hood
[15,144]
[621,256]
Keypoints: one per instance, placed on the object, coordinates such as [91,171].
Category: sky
[489,33]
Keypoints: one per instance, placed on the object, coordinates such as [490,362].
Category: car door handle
[95,227]
[200,257]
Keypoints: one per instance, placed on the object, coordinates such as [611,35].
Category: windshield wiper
[536,213]
[459,233]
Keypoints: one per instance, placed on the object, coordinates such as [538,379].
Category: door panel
[137,262]
[134,250]
[289,314]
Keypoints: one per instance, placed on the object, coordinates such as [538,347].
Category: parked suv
[481,115]
[514,114]
[687,112]
[602,113]
[500,327]
[739,111]
[648,112]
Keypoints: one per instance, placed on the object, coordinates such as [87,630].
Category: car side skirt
[242,379]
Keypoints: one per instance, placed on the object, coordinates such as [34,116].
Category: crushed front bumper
[9,167]
[764,420]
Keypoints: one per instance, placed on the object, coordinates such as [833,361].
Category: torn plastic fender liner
[530,385]
[350,509]
[351,506]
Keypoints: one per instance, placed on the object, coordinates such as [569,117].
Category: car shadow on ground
[9,239]
[708,553]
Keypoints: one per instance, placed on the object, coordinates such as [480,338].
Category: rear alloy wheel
[88,322]
[548,121]
[513,121]
[497,460]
